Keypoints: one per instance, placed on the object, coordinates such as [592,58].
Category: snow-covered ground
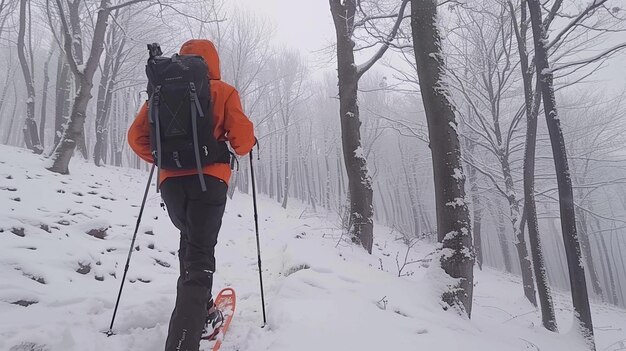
[64,241]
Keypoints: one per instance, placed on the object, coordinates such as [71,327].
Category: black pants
[198,216]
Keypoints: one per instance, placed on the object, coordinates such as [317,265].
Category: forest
[481,125]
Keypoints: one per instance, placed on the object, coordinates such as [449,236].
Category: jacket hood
[206,49]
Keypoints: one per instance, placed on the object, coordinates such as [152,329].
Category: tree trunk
[518,234]
[308,180]
[286,167]
[548,316]
[585,244]
[504,245]
[478,248]
[5,89]
[340,181]
[271,170]
[609,278]
[453,222]
[328,190]
[416,229]
[73,135]
[582,311]
[44,98]
[8,137]
[101,105]
[31,136]
[612,290]
[359,181]
[477,212]
[112,64]
[61,109]
[532,103]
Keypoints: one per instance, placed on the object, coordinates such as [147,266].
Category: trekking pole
[258,245]
[130,252]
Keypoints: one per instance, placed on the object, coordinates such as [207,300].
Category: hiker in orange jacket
[196,213]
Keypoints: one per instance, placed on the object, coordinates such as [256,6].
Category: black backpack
[180,113]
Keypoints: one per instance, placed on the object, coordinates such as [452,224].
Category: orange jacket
[230,121]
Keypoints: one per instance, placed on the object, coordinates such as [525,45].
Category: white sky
[304,24]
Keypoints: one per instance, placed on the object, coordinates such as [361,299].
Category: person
[196,213]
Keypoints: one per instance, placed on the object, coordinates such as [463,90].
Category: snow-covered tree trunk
[110,70]
[531,104]
[476,208]
[580,298]
[31,136]
[44,98]
[271,166]
[5,89]
[541,275]
[477,226]
[360,190]
[62,103]
[286,169]
[453,220]
[8,136]
[359,181]
[74,134]
[515,215]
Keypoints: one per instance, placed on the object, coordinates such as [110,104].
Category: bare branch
[367,65]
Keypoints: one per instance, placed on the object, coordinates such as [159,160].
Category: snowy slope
[64,242]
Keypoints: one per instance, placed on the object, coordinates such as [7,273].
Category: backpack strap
[195,100]
[153,114]
[195,109]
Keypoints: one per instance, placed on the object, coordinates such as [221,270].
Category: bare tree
[115,46]
[31,136]
[531,104]
[545,80]
[359,182]
[44,96]
[453,219]
[83,70]
[487,80]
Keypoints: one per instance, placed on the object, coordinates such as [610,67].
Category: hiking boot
[214,321]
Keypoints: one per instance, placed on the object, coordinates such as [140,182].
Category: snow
[458,201]
[458,174]
[65,241]
[546,71]
[358,153]
[454,126]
